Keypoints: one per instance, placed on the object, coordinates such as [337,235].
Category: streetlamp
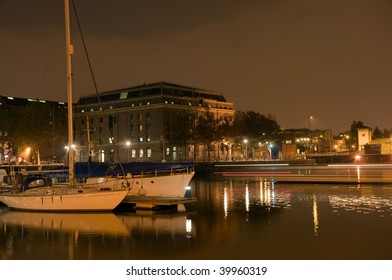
[246,148]
[310,137]
[309,118]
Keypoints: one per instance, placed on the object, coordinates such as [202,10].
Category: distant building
[381,146]
[364,137]
[298,143]
[144,123]
[10,108]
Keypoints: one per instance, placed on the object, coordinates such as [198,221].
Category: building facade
[150,122]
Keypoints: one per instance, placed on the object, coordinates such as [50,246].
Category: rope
[95,84]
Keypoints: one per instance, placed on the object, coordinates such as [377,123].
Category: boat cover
[100,169]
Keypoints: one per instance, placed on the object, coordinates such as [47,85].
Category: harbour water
[233,218]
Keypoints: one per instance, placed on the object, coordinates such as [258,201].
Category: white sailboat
[72,197]
[146,179]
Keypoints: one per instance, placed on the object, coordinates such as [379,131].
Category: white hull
[64,199]
[173,185]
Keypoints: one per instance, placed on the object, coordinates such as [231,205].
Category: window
[167,151]
[133,153]
[141,152]
[102,156]
[141,139]
[140,127]
[124,95]
[149,153]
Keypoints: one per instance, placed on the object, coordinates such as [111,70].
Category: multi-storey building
[150,122]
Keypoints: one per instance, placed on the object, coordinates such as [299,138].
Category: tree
[256,129]
[207,132]
[377,133]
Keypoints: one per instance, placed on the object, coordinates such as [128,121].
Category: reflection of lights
[315,216]
[266,193]
[188,227]
[188,188]
[358,174]
[247,198]
[261,193]
[361,204]
[225,201]
[273,192]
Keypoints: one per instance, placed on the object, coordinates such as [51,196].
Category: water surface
[239,218]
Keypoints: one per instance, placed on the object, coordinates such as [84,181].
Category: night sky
[290,58]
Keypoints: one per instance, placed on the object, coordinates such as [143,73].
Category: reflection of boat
[175,224]
[98,223]
[70,198]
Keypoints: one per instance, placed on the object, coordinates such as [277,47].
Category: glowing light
[247,198]
[225,202]
[188,228]
[315,216]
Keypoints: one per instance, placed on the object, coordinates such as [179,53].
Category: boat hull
[67,201]
[173,185]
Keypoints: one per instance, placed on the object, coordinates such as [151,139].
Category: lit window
[149,153]
[133,152]
[141,152]
[102,155]
[124,95]
[141,139]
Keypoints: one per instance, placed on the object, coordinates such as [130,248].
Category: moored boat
[72,197]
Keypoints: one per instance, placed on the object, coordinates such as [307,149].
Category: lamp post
[310,138]
[309,118]
[246,148]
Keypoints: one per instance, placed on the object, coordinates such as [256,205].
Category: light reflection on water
[236,218]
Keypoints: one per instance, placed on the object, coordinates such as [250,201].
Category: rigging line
[95,83]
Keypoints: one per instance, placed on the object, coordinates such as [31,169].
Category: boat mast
[69,53]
